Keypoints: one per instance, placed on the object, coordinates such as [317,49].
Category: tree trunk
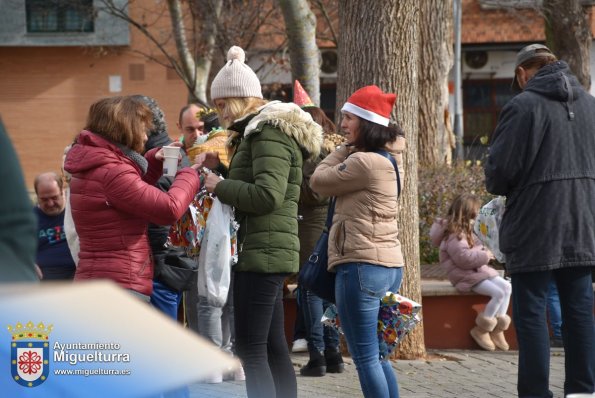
[300,26]
[435,62]
[568,35]
[379,45]
[208,27]
[187,65]
[194,68]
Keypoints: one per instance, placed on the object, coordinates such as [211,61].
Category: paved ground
[449,374]
[460,374]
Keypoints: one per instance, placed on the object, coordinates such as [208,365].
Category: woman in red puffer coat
[113,197]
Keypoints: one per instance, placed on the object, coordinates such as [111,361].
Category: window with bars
[56,16]
[482,102]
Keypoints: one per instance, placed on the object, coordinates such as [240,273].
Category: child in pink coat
[465,260]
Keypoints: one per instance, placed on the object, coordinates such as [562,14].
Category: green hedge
[438,186]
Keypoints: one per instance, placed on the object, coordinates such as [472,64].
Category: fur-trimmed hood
[290,119]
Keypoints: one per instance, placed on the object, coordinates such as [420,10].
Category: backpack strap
[394,162]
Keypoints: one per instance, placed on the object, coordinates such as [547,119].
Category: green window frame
[60,16]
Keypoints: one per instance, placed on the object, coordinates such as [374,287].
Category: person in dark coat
[17,223]
[163,297]
[541,159]
[323,341]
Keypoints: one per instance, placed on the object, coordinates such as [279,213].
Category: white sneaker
[238,374]
[215,378]
[299,345]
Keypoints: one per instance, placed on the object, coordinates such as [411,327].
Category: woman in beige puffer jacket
[364,249]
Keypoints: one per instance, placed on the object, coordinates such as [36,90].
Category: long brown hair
[123,120]
[318,115]
[460,217]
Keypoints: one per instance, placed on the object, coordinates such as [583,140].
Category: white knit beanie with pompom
[235,79]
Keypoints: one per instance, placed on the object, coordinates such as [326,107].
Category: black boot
[316,366]
[334,361]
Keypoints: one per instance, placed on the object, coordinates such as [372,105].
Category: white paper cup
[171,155]
[170,166]
[171,151]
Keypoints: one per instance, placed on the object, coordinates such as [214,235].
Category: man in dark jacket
[17,221]
[541,159]
[163,297]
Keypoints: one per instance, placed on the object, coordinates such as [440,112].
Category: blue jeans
[529,295]
[319,336]
[299,328]
[166,300]
[358,289]
[554,311]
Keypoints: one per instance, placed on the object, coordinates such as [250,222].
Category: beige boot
[498,334]
[481,333]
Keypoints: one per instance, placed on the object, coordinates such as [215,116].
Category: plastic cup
[171,155]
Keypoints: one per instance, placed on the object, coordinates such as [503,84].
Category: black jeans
[260,335]
[529,295]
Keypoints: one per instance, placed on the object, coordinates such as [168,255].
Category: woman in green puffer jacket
[269,141]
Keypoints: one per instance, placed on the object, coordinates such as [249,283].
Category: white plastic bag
[487,225]
[214,261]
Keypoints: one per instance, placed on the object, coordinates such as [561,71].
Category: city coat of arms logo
[30,353]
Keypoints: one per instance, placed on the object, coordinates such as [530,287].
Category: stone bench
[448,316]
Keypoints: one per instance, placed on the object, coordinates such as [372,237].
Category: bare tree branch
[327,18]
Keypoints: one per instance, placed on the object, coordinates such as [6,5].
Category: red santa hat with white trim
[371,104]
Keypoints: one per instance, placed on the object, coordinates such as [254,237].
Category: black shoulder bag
[314,274]
[175,269]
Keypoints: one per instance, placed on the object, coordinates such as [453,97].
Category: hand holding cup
[159,153]
[171,156]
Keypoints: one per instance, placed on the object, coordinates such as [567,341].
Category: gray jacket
[542,159]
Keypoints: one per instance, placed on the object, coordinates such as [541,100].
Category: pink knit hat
[371,104]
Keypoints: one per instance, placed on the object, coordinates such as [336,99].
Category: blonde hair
[460,217]
[124,120]
[236,107]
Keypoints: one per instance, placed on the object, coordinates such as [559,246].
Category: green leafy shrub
[438,186]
